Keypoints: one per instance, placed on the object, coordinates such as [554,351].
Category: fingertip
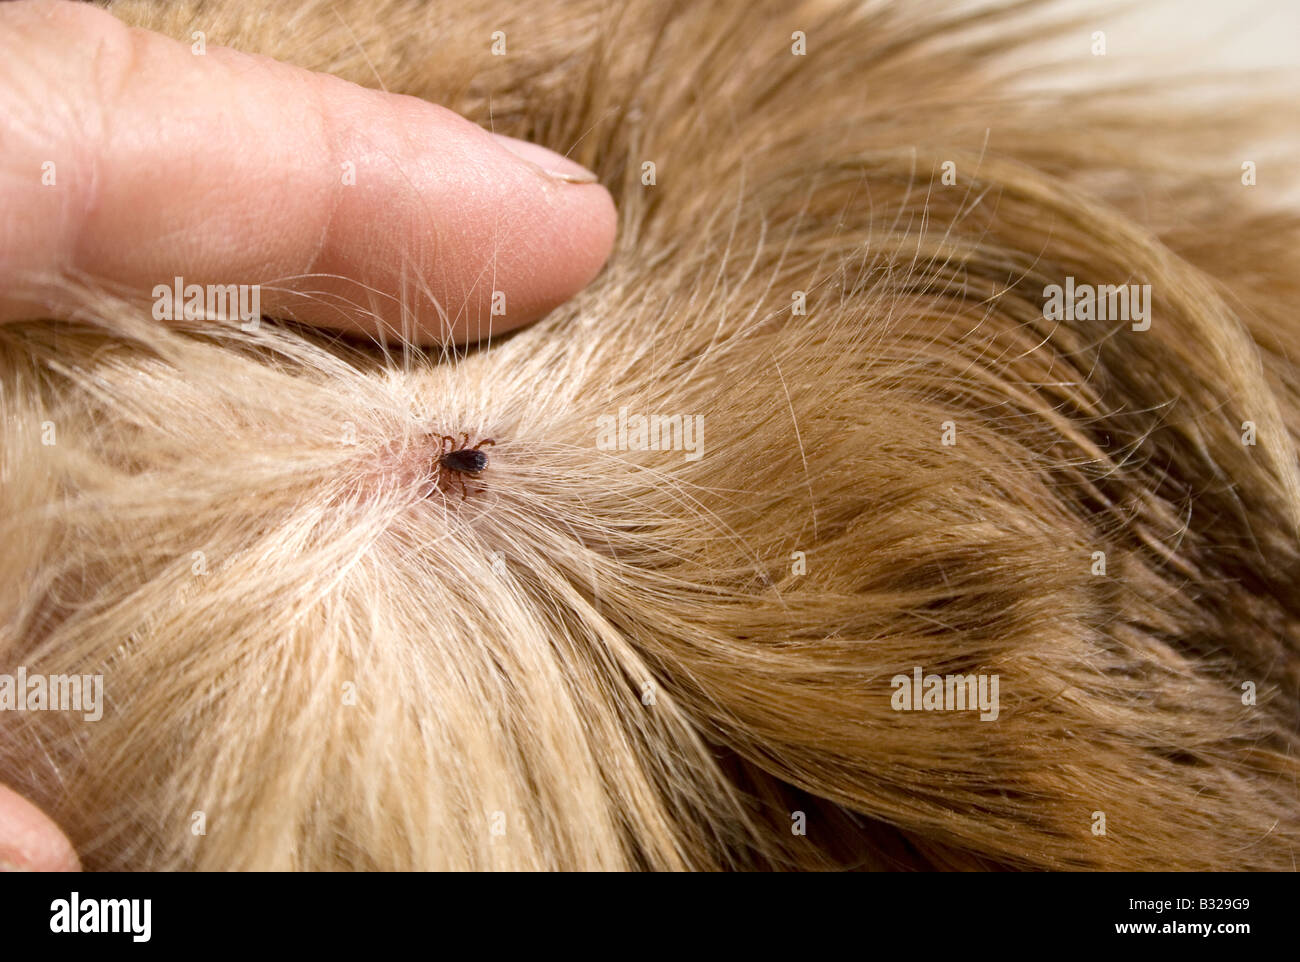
[29,840]
[344,207]
[556,166]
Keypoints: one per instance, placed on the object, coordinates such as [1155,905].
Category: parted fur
[606,659]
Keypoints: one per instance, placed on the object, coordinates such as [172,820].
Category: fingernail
[551,163]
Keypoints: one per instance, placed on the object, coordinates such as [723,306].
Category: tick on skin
[460,460]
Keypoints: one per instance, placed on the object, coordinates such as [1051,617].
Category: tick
[461,460]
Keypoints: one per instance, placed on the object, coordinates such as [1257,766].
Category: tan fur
[640,681]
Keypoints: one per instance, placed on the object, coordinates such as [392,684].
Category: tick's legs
[446,439]
[464,440]
[481,443]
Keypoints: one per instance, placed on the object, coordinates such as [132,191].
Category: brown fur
[501,649]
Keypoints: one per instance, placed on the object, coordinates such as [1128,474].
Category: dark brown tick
[461,460]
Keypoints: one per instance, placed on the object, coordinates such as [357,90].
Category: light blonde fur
[604,659]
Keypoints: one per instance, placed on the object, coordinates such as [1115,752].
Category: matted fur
[605,656]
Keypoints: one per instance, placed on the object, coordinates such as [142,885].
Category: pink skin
[29,841]
[225,168]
